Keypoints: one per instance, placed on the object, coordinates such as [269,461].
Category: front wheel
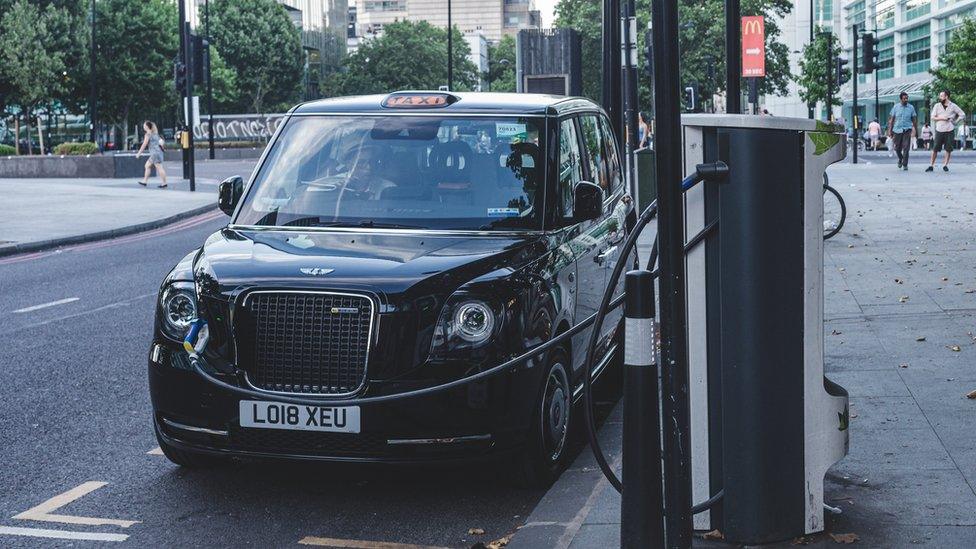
[545,455]
[835,210]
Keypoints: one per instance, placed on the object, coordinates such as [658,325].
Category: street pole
[93,90]
[812,106]
[187,58]
[628,65]
[733,53]
[641,506]
[611,97]
[670,226]
[450,49]
[210,131]
[854,117]
[830,76]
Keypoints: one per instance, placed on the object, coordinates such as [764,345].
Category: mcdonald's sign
[753,46]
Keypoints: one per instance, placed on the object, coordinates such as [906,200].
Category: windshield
[430,172]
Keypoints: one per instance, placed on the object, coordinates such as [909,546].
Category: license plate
[276,415]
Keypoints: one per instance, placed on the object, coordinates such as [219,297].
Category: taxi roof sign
[418,100]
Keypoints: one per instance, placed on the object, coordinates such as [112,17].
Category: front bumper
[480,420]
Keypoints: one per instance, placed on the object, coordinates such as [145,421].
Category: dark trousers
[903,144]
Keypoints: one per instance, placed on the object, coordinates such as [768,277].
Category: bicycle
[835,210]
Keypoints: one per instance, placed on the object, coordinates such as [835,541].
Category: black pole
[210,132]
[93,90]
[450,49]
[187,57]
[610,95]
[628,56]
[854,118]
[670,224]
[829,100]
[641,506]
[813,105]
[733,53]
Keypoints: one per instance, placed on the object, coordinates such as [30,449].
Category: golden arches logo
[752,26]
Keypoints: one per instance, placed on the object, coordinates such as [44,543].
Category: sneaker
[945,168]
[930,168]
[899,165]
[905,167]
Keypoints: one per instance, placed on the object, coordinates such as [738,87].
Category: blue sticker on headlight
[197,337]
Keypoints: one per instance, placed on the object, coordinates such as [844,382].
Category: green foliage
[701,42]
[407,56]
[815,69]
[258,41]
[502,74]
[76,149]
[33,71]
[7,150]
[957,68]
[224,83]
[136,47]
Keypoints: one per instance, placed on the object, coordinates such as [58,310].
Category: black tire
[189,459]
[546,452]
[831,194]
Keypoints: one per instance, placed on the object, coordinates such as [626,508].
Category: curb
[25,247]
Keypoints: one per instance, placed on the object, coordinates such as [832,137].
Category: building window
[950,23]
[857,13]
[385,5]
[886,57]
[884,14]
[917,8]
[824,11]
[917,49]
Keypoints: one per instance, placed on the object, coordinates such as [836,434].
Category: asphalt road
[74,410]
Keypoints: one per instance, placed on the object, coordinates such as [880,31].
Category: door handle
[605,254]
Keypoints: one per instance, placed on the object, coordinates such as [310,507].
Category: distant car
[389,243]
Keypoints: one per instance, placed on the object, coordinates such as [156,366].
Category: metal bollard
[641,508]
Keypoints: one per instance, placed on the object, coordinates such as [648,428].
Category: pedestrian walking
[644,129]
[927,136]
[154,142]
[962,133]
[874,133]
[945,115]
[902,124]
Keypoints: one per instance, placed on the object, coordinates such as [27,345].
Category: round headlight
[179,309]
[474,321]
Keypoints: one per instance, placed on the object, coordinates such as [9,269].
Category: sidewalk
[900,284]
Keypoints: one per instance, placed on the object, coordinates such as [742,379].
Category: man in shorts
[902,124]
[945,116]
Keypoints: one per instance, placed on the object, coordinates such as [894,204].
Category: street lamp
[502,62]
[92,90]
[450,49]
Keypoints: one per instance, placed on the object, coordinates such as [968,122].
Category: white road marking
[83,313]
[44,511]
[157,451]
[61,534]
[360,544]
[46,305]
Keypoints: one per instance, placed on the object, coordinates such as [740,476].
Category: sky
[547,10]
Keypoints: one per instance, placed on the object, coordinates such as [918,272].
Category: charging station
[765,422]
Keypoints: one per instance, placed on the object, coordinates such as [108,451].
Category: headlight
[178,308]
[464,324]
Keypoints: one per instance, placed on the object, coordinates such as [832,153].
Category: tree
[34,72]
[815,69]
[701,43]
[259,42]
[501,65]
[408,55]
[137,43]
[957,67]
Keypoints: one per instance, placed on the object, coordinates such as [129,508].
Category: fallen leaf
[802,540]
[954,348]
[714,534]
[971,395]
[903,365]
[920,338]
[500,542]
[903,299]
[850,245]
[945,279]
[844,538]
[835,333]
[899,281]
[476,531]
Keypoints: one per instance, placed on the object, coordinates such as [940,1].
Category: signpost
[754,54]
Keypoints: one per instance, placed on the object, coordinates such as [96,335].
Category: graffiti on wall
[238,127]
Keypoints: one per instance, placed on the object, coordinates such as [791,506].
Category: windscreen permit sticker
[510,130]
[503,212]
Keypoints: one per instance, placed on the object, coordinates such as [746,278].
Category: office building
[492,18]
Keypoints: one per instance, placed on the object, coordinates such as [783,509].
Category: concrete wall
[98,166]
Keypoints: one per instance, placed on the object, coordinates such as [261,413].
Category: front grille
[314,343]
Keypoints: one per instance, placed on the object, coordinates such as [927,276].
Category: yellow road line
[360,544]
[44,511]
[60,534]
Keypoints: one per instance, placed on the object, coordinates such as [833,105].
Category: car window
[596,152]
[436,172]
[613,160]
[570,166]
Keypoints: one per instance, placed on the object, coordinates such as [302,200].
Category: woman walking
[154,143]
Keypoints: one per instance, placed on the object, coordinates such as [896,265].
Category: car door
[582,236]
[602,168]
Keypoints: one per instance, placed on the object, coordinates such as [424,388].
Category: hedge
[7,150]
[76,149]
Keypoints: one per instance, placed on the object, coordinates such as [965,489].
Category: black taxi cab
[389,243]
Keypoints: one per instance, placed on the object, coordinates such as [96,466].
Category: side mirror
[587,201]
[229,194]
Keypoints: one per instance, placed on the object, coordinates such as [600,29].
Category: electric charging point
[765,423]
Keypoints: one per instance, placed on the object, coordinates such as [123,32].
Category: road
[74,409]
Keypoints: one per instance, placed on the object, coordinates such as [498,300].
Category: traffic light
[843,75]
[690,98]
[199,50]
[869,53]
[179,77]
[648,54]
